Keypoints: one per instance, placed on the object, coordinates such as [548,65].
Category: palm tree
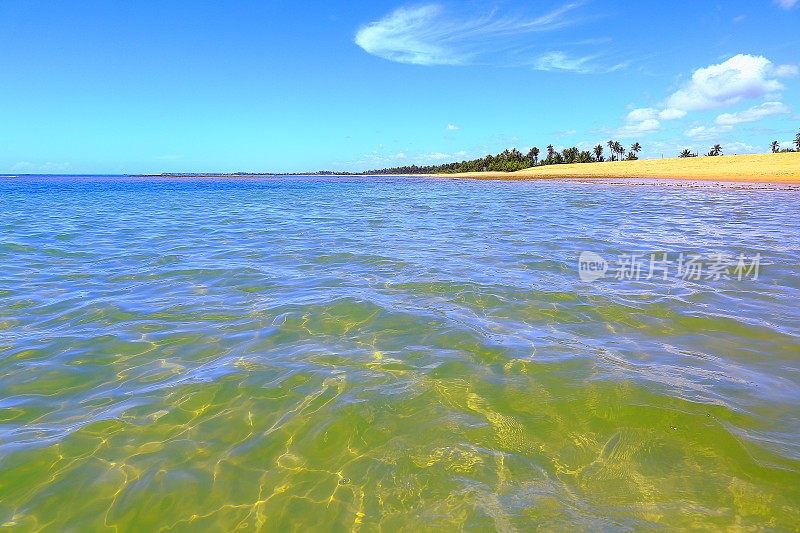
[716,151]
[686,153]
[611,145]
[776,146]
[570,154]
[598,152]
[797,141]
[533,155]
[636,148]
[550,152]
[619,149]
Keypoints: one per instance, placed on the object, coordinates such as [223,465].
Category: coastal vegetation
[752,168]
[513,160]
[775,146]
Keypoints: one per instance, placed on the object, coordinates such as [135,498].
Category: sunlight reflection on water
[396,353]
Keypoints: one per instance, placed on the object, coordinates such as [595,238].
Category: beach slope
[758,168]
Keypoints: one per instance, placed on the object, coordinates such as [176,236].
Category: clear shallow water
[353,354]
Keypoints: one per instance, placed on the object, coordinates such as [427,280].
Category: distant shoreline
[759,168]
[776,168]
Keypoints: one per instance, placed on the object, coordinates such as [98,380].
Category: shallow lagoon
[349,353]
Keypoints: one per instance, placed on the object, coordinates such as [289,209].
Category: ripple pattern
[392,354]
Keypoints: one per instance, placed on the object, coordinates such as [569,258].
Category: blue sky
[146,86]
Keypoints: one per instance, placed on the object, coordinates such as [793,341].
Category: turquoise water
[393,354]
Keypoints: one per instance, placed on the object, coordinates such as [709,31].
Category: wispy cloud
[437,157]
[561,61]
[737,147]
[553,61]
[707,133]
[381,159]
[767,109]
[452,127]
[412,35]
[786,4]
[429,35]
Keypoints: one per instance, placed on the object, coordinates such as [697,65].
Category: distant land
[780,166]
[758,168]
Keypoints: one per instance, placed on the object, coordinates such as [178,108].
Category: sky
[257,86]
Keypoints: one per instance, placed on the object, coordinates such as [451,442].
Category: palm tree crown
[533,155]
[618,148]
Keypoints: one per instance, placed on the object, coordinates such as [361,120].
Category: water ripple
[392,354]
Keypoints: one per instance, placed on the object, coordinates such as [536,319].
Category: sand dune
[759,168]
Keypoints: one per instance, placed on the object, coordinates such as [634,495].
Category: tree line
[513,160]
[774,146]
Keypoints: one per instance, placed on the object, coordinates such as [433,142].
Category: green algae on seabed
[350,354]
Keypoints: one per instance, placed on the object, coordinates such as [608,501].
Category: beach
[752,168]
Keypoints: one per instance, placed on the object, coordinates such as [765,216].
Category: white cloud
[786,71]
[753,114]
[563,62]
[426,35]
[409,35]
[377,159]
[452,127]
[643,113]
[646,120]
[741,148]
[443,156]
[707,133]
[742,77]
[553,61]
[641,127]
[648,113]
[786,4]
[671,114]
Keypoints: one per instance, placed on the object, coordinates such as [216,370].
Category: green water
[384,355]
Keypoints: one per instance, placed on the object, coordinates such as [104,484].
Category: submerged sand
[759,168]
